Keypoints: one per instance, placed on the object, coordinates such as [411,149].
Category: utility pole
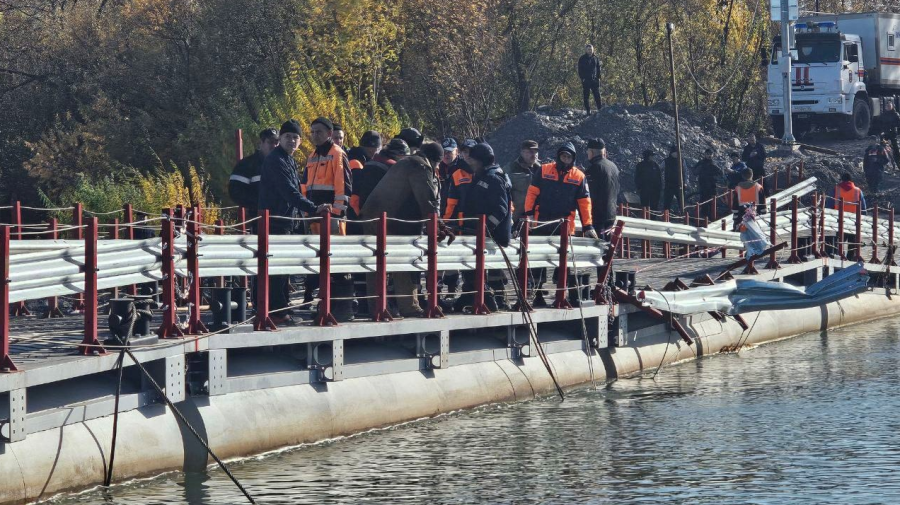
[788,138]
[670,27]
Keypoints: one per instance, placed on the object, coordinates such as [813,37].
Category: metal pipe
[874,258]
[381,308]
[90,345]
[839,240]
[478,306]
[431,275]
[773,234]
[645,244]
[562,301]
[670,27]
[814,228]
[794,258]
[324,317]
[822,251]
[523,304]
[195,323]
[262,321]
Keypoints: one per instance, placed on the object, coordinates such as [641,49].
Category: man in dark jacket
[243,186]
[279,193]
[450,163]
[603,184]
[673,181]
[648,180]
[754,156]
[708,176]
[520,171]
[877,157]
[409,192]
[488,195]
[589,73]
[735,173]
[888,124]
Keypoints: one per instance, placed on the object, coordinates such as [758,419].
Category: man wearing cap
[673,183]
[365,180]
[412,137]
[708,175]
[648,180]
[556,193]
[279,193]
[408,192]
[449,164]
[457,184]
[369,145]
[464,149]
[327,177]
[243,185]
[488,195]
[520,172]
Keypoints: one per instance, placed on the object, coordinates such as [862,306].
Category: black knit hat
[483,153]
[290,126]
[596,144]
[412,137]
[324,121]
[396,147]
[370,138]
[433,151]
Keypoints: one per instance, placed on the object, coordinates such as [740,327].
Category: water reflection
[807,420]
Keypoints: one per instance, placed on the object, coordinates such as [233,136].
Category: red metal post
[77,217]
[687,247]
[324,317]
[794,257]
[562,299]
[169,327]
[6,362]
[128,221]
[523,304]
[775,181]
[667,246]
[262,321]
[857,247]
[645,244]
[839,239]
[238,145]
[195,324]
[724,226]
[478,306]
[800,172]
[381,302]
[600,293]
[243,224]
[90,344]
[814,229]
[431,276]
[790,175]
[822,252]
[626,244]
[53,302]
[874,258]
[890,259]
[773,236]
[19,308]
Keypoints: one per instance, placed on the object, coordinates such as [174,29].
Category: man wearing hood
[557,192]
[648,180]
[487,195]
[409,193]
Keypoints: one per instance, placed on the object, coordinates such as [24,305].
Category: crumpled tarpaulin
[747,295]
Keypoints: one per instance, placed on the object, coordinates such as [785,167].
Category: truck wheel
[857,126]
[778,126]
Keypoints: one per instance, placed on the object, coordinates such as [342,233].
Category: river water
[812,419]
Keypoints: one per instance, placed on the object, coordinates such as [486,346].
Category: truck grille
[804,102]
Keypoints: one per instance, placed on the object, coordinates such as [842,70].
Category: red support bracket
[381,306]
[478,306]
[6,363]
[90,345]
[262,321]
[169,327]
[839,239]
[522,274]
[431,276]
[562,278]
[874,258]
[623,297]
[324,316]
[195,324]
[603,275]
[794,258]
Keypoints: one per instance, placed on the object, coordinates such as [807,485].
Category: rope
[115,428]
[185,422]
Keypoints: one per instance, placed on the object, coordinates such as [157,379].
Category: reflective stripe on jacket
[459,184]
[326,179]
[557,194]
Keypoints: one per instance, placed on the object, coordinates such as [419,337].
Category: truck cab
[828,82]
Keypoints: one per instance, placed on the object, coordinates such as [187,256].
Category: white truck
[844,67]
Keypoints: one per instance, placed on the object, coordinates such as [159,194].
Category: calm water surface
[808,420]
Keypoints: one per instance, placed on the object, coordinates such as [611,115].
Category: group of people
[408,178]
[665,184]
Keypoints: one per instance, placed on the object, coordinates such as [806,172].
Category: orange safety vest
[325,183]
[748,195]
[851,198]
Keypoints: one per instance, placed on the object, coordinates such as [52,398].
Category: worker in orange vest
[853,198]
[327,177]
[747,192]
